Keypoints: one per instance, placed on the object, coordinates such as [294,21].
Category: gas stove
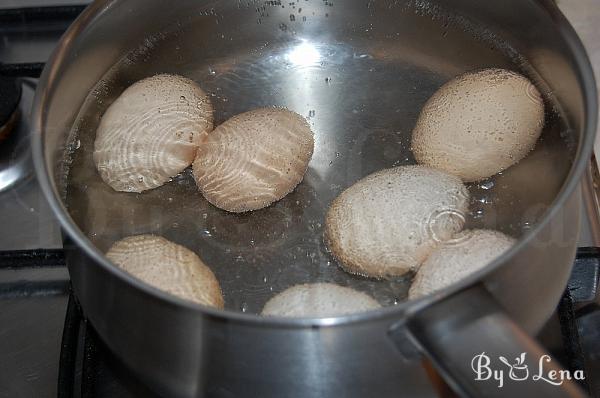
[47,347]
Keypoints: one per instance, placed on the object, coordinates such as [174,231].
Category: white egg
[318,300]
[168,267]
[479,124]
[468,252]
[151,132]
[254,159]
[386,224]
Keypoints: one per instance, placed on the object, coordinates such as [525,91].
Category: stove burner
[10,96]
[16,98]
[87,367]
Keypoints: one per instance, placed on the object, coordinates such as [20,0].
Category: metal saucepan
[360,71]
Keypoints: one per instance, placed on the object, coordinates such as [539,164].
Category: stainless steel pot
[184,350]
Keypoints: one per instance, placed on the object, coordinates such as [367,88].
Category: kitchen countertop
[584,15]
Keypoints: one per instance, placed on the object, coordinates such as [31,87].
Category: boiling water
[359,83]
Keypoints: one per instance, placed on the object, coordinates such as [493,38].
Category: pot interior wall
[359,71]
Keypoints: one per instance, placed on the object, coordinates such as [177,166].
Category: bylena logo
[519,371]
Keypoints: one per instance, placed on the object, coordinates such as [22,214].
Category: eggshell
[151,132]
[479,124]
[468,252]
[386,224]
[318,300]
[254,159]
[167,266]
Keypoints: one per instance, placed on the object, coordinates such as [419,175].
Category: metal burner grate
[87,367]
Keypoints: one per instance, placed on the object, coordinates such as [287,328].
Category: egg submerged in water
[254,159]
[151,132]
[318,300]
[386,224]
[459,257]
[167,266]
[479,124]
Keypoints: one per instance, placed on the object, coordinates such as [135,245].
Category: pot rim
[94,12]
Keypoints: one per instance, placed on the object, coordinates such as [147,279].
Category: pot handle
[478,350]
